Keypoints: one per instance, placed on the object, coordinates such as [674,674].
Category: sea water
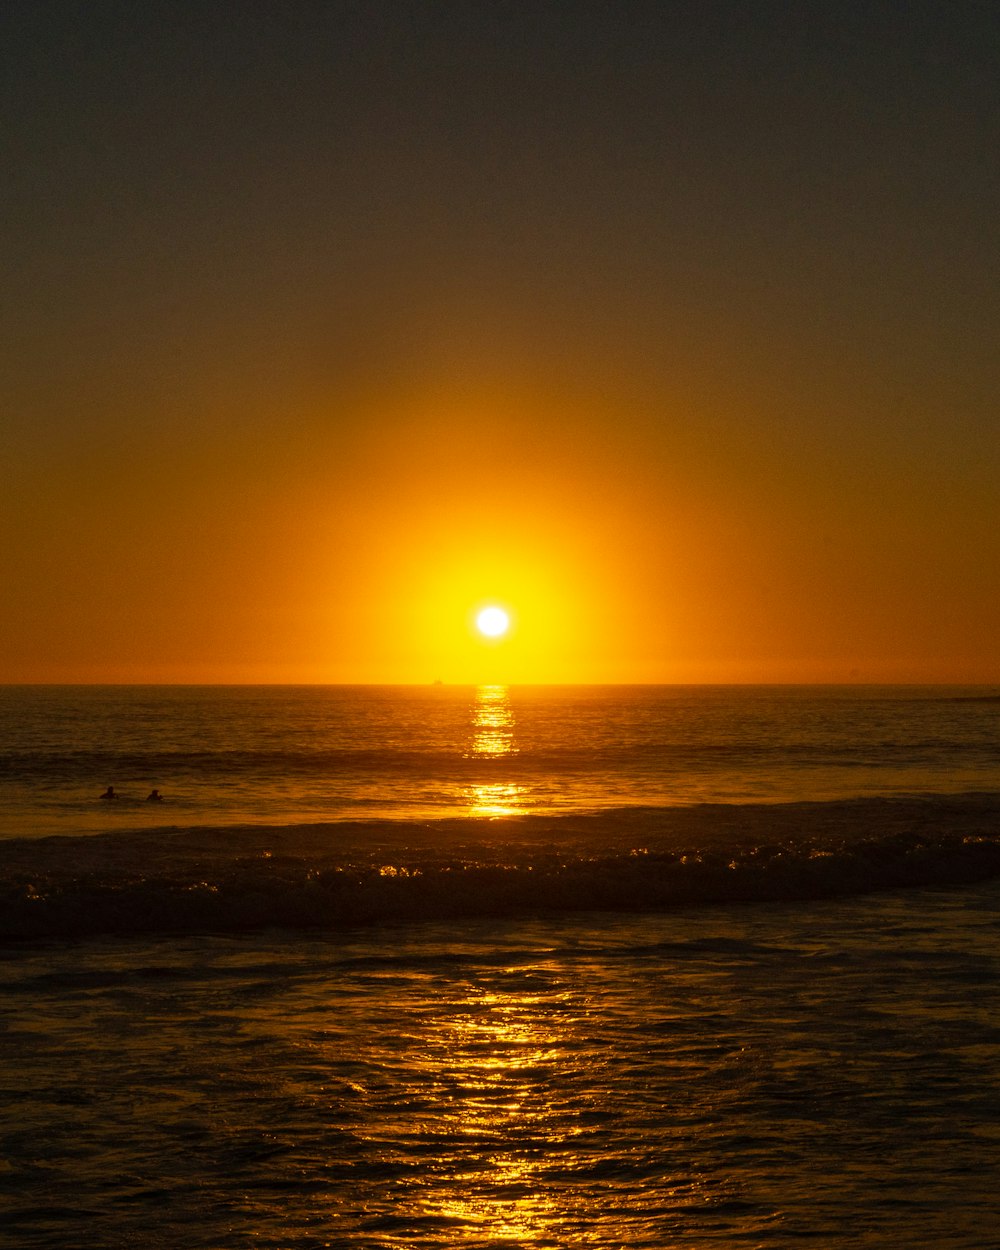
[600,968]
[294,755]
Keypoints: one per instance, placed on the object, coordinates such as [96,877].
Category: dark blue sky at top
[831,160]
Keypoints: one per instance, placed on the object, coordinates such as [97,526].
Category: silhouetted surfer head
[154,797]
[109,793]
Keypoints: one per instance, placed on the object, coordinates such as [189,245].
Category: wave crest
[307,877]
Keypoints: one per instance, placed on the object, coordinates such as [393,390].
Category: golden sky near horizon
[670,328]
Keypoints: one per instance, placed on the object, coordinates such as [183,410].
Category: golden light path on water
[493,1048]
[528,1134]
[492,739]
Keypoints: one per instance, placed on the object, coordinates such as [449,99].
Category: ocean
[482,967]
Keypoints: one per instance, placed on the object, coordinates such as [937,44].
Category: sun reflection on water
[493,723]
[495,800]
[495,1052]
[493,740]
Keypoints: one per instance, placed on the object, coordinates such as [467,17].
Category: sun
[493,622]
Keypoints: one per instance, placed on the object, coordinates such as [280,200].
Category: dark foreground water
[483,968]
[823,1073]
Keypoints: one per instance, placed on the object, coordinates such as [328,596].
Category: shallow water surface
[823,1073]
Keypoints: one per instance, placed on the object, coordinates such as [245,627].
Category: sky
[671,328]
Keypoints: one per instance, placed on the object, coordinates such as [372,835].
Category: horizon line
[440,684]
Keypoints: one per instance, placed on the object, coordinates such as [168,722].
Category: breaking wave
[338,876]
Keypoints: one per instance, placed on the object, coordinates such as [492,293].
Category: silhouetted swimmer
[154,797]
[109,793]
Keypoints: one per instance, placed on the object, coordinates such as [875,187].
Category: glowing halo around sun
[492,622]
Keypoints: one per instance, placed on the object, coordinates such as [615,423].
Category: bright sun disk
[493,622]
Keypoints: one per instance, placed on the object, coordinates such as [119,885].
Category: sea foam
[337,876]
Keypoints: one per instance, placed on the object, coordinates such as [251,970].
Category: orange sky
[313,359]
